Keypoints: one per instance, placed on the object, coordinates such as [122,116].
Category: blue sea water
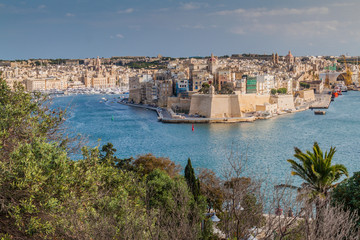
[266,144]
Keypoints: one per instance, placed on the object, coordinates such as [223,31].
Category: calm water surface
[267,143]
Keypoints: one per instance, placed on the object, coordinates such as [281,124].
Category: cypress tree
[191,180]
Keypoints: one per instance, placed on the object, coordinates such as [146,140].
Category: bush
[205,88]
[282,90]
[227,88]
[304,85]
[347,194]
[46,195]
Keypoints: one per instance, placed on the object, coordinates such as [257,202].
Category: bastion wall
[307,95]
[225,106]
[284,102]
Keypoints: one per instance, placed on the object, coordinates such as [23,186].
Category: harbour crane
[348,75]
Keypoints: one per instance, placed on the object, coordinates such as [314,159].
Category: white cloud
[260,12]
[129,10]
[197,26]
[119,36]
[299,29]
[342,4]
[312,28]
[192,5]
[70,15]
[41,6]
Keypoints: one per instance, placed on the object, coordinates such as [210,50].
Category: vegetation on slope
[44,194]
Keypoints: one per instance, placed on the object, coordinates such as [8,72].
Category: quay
[322,102]
[208,120]
[158,110]
[165,116]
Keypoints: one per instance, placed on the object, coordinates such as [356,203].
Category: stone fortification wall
[201,105]
[183,104]
[307,95]
[267,107]
[215,106]
[284,102]
[219,106]
[225,106]
[248,102]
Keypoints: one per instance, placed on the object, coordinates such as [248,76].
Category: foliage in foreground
[316,170]
[46,195]
[347,194]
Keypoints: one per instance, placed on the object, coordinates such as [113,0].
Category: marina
[87,91]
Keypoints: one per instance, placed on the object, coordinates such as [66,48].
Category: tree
[242,207]
[46,195]
[227,88]
[347,194]
[282,91]
[273,91]
[304,85]
[336,225]
[148,162]
[210,187]
[316,169]
[319,175]
[170,203]
[24,117]
[205,88]
[109,152]
[192,181]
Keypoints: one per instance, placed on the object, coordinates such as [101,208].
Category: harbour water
[267,144]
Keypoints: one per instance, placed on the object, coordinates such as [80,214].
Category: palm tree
[319,175]
[316,169]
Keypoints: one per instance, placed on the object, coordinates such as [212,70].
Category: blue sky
[80,28]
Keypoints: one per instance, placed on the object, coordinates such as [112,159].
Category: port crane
[348,75]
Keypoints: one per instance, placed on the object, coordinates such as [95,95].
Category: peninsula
[241,87]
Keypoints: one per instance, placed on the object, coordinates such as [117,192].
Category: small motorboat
[320,112]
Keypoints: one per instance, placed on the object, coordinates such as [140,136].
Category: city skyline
[81,29]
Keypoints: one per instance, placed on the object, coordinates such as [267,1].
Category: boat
[320,112]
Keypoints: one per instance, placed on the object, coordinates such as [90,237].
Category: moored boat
[320,112]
